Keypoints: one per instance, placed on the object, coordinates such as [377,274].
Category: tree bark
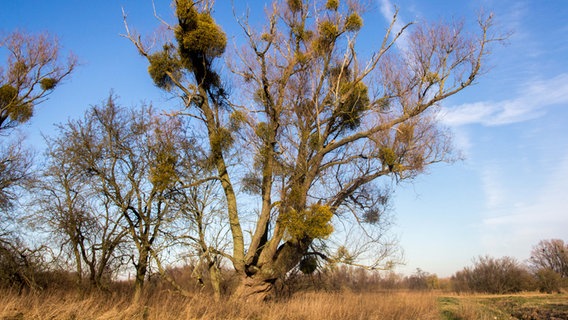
[263,285]
[255,289]
[215,278]
[141,269]
[79,266]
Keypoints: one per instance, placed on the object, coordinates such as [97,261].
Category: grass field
[505,307]
[344,305]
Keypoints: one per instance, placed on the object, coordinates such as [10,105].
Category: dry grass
[165,305]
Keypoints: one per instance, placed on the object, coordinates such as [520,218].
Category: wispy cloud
[492,187]
[532,102]
[547,205]
[516,224]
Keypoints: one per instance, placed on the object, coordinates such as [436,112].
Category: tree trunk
[93,276]
[266,282]
[141,269]
[255,289]
[79,267]
[215,278]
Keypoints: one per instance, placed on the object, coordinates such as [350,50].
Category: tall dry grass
[167,305]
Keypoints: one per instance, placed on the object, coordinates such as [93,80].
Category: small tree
[422,280]
[203,229]
[129,159]
[548,280]
[80,220]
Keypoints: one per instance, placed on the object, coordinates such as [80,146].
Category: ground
[384,305]
[528,306]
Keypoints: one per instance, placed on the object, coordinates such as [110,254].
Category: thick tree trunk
[141,269]
[265,284]
[255,289]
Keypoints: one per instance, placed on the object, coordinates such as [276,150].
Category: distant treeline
[545,271]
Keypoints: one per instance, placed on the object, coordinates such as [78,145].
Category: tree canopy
[322,132]
[32,70]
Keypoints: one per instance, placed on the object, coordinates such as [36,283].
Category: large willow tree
[321,127]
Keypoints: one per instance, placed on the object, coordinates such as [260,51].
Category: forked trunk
[266,282]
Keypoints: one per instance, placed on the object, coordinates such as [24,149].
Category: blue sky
[506,195]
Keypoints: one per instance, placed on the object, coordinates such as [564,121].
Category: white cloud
[462,141]
[532,102]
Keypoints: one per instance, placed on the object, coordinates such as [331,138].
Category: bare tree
[325,127]
[422,280]
[494,275]
[129,158]
[80,220]
[33,68]
[198,230]
[15,171]
[552,255]
[19,264]
[205,229]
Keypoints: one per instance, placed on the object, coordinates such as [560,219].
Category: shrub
[548,280]
[19,265]
[492,275]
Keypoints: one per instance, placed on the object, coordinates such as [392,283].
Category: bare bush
[493,275]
